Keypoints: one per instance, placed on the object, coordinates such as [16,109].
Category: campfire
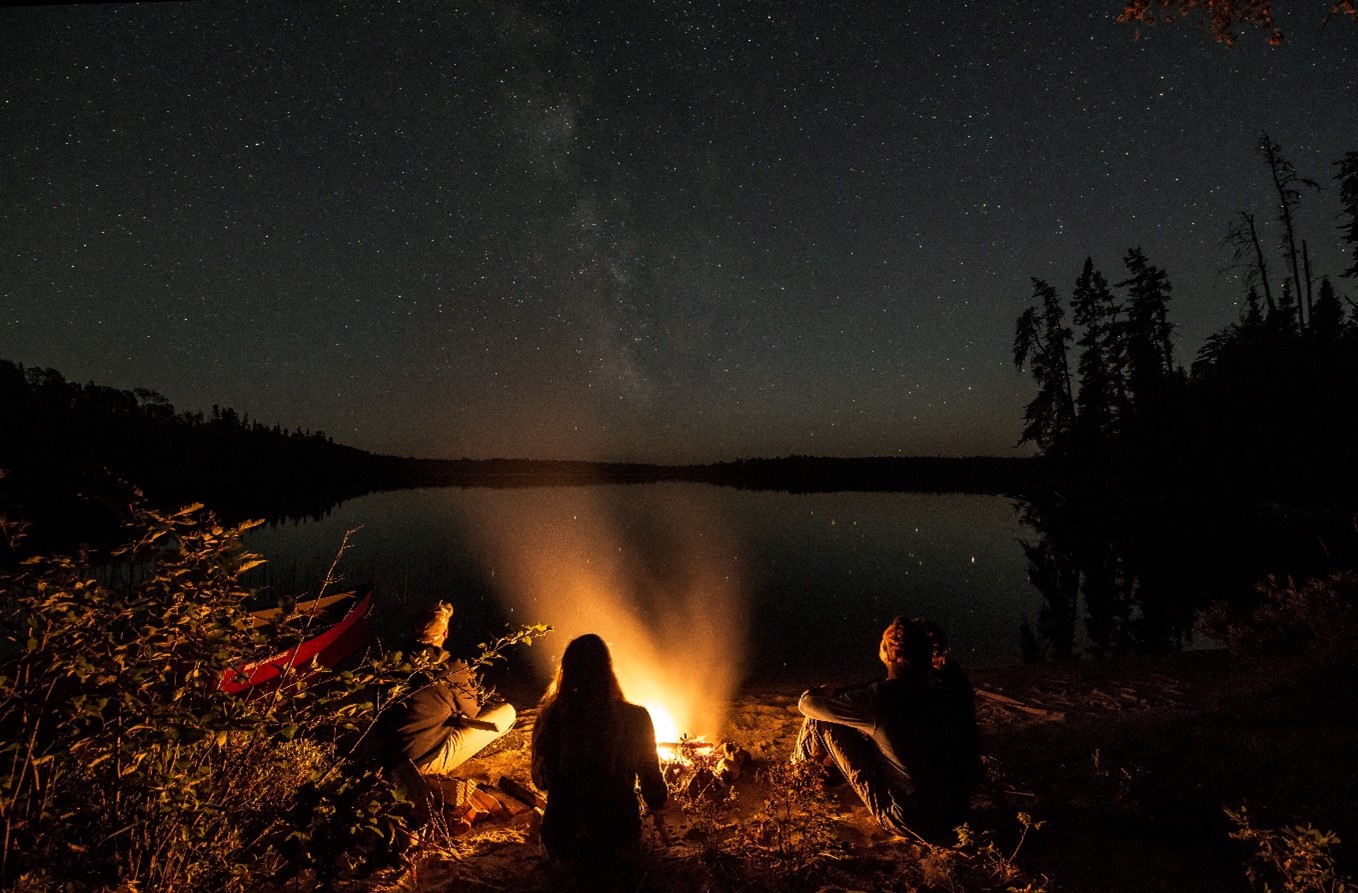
[692,764]
[672,742]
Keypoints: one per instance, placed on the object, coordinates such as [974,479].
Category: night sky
[672,231]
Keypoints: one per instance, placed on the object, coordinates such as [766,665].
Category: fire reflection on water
[663,592]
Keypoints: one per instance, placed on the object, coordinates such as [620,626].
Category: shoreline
[1128,761]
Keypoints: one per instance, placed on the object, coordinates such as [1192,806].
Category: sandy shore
[1128,762]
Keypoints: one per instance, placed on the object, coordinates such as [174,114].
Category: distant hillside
[73,453]
[792,474]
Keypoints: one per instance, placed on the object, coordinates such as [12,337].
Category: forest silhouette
[1173,486]
[1269,409]
[73,454]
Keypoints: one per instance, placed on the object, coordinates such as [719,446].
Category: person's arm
[539,759]
[852,708]
[464,690]
[653,789]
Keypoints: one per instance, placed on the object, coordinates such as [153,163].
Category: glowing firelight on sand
[667,599]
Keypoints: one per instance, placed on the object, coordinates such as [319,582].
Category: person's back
[929,738]
[416,728]
[592,805]
[908,744]
[591,751]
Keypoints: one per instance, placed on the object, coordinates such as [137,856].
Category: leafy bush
[796,829]
[125,765]
[1314,623]
[976,863]
[1297,857]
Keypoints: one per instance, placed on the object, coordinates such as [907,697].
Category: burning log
[703,783]
[702,769]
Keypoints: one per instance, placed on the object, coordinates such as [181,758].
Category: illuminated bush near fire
[664,593]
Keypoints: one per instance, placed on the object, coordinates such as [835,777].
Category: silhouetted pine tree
[1145,337]
[1100,362]
[1041,342]
[1327,317]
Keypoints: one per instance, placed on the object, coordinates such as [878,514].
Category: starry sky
[663,231]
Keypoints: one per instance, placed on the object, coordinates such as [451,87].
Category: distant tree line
[72,453]
[1269,407]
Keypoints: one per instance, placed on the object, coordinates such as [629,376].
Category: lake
[774,585]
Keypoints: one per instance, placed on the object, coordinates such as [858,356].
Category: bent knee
[503,715]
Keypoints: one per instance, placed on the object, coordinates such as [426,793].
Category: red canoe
[336,640]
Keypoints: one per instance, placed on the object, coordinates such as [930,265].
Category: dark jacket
[417,726]
[927,743]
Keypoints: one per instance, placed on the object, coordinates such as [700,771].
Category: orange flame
[670,606]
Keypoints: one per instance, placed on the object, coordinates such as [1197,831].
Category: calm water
[803,582]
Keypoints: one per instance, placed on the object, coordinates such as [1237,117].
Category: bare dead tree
[1243,236]
[1287,183]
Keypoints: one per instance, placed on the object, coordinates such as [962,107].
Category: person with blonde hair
[442,722]
[908,744]
[591,751]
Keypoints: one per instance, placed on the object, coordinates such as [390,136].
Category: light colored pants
[461,746]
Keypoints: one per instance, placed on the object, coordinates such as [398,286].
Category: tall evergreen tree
[1099,365]
[1041,342]
[1146,332]
[1327,318]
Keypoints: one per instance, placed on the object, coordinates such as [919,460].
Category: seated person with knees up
[908,745]
[441,723]
[591,752]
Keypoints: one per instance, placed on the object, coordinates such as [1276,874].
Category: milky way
[663,231]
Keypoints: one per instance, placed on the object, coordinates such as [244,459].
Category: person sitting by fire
[908,745]
[441,723]
[591,749]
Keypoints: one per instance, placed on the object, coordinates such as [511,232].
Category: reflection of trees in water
[1121,575]
[1116,577]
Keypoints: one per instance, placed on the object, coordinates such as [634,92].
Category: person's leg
[463,744]
[809,746]
[405,775]
[856,756]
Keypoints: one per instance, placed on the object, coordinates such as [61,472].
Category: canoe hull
[332,645]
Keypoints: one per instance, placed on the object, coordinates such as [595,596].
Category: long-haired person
[591,750]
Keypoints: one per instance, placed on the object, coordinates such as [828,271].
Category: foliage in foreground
[1297,857]
[123,765]
[794,840]
[1312,624]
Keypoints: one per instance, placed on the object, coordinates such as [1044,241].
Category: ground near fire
[1122,772]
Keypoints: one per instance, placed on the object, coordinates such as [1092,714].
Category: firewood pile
[467,802]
